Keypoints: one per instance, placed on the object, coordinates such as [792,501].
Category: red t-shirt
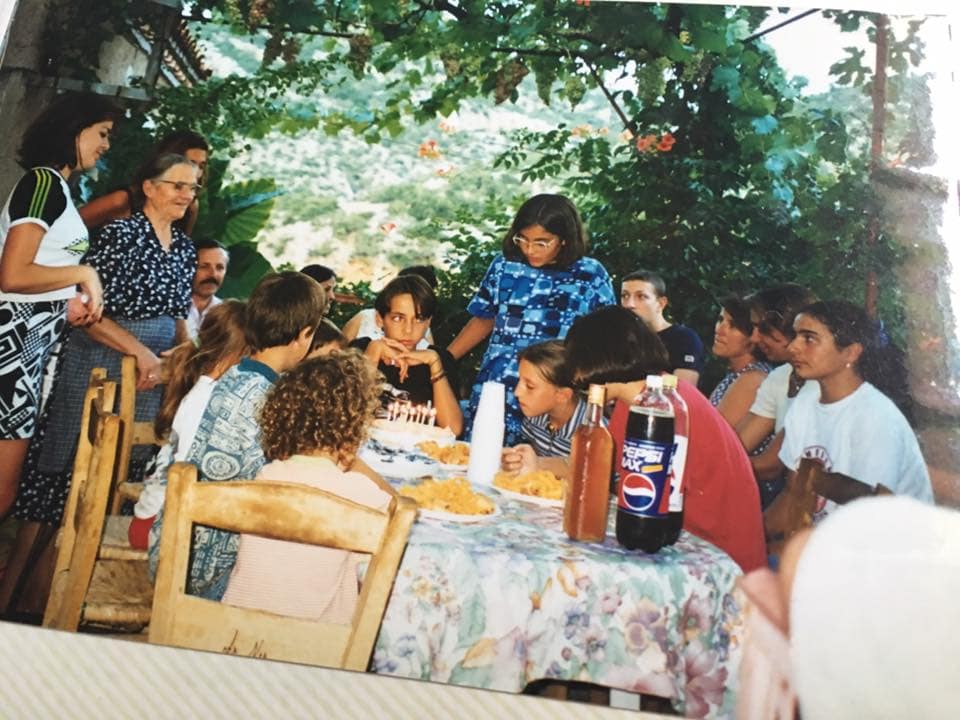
[721,499]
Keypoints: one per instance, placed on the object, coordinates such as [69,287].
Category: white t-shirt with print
[42,197]
[863,436]
[771,400]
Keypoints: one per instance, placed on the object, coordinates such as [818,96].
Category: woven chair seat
[120,595]
[115,544]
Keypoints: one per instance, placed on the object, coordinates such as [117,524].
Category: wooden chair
[283,511]
[134,433]
[90,582]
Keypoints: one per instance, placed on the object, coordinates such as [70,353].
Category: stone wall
[920,211]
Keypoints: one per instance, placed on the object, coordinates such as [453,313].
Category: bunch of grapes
[508,78]
[359,54]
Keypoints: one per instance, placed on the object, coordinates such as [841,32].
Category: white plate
[532,499]
[441,516]
[399,466]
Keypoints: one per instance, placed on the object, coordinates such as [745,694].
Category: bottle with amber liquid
[591,461]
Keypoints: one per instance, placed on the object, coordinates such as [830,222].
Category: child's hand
[389,352]
[520,459]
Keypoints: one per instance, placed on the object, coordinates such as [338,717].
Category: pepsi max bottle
[678,461]
[643,503]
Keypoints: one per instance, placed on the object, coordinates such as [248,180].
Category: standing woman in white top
[855,428]
[42,239]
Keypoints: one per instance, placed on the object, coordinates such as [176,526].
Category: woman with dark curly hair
[855,428]
[313,423]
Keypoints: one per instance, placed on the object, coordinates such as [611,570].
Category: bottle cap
[670,382]
[596,394]
[654,381]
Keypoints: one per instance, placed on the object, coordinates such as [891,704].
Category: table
[501,603]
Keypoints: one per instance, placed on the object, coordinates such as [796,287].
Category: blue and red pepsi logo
[638,492]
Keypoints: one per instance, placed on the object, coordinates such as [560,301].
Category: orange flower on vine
[388,227]
[429,149]
[666,142]
[646,143]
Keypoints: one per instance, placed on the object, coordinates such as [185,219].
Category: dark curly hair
[325,404]
[51,138]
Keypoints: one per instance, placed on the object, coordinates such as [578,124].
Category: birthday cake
[407,433]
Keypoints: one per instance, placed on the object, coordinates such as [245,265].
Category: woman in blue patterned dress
[531,293]
[732,341]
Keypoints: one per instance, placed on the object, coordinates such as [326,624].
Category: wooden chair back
[85,510]
[134,433]
[282,511]
[793,509]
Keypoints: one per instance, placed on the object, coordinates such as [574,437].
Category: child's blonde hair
[221,338]
[548,357]
[324,404]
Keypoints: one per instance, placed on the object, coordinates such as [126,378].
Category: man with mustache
[212,259]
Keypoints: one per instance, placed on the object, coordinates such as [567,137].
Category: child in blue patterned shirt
[282,316]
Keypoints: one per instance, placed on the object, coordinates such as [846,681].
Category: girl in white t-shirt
[41,241]
[854,428]
[193,371]
[312,425]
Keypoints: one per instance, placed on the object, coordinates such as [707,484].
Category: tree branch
[611,99]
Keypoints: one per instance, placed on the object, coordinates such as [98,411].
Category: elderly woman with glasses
[147,264]
[531,293]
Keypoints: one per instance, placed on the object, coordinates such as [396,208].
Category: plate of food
[406,433]
[451,500]
[453,458]
[396,463]
[540,487]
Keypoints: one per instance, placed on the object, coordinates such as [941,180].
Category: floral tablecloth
[500,603]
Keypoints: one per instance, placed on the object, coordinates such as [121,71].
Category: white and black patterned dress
[31,324]
[146,288]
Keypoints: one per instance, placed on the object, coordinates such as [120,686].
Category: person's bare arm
[691,376]
[444,399]
[752,429]
[474,332]
[352,327]
[739,397]
[767,465]
[107,332]
[19,273]
[105,208]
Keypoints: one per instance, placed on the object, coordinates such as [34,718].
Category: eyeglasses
[179,187]
[521,242]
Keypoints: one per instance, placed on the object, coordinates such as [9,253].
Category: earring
[848,365]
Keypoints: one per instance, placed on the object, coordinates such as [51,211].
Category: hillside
[367,209]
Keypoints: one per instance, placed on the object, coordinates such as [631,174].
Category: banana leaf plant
[235,214]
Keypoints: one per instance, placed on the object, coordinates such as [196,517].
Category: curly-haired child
[312,423]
